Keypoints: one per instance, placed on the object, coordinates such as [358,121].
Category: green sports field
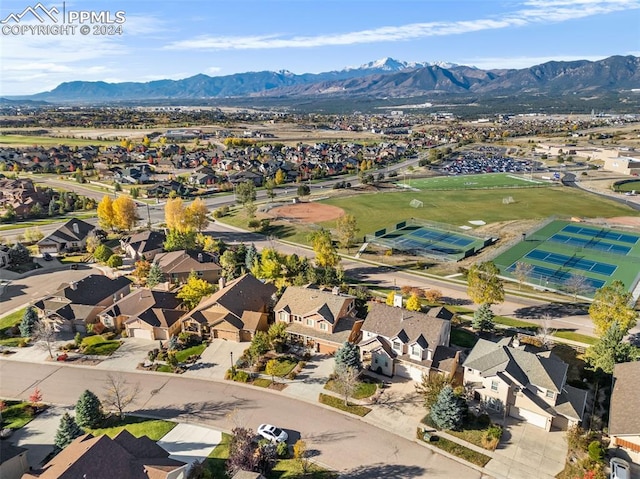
[469,182]
[560,251]
[374,211]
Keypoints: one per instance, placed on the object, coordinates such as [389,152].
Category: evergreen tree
[155,277]
[483,318]
[19,254]
[28,323]
[610,350]
[348,356]
[88,410]
[250,256]
[448,411]
[67,432]
[52,208]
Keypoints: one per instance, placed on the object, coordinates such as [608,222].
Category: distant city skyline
[174,40]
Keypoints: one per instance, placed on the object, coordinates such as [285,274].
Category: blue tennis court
[602,234]
[578,242]
[572,262]
[557,276]
[406,243]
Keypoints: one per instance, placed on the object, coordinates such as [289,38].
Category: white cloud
[535,11]
[213,70]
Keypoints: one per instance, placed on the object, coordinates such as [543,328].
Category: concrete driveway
[189,443]
[127,357]
[38,436]
[526,451]
[216,359]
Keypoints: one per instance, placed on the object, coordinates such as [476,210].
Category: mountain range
[385,78]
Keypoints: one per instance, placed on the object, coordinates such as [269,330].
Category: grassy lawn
[76,258]
[10,320]
[290,469]
[573,336]
[285,366]
[463,338]
[10,342]
[47,221]
[30,140]
[467,182]
[98,345]
[184,354]
[338,403]
[262,382]
[365,389]
[515,323]
[164,368]
[215,463]
[451,207]
[155,429]
[16,415]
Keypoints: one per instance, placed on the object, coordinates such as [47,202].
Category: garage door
[141,333]
[409,371]
[529,416]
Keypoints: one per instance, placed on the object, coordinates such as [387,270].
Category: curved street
[344,443]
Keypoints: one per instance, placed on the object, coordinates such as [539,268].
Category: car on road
[47,257]
[272,433]
[620,468]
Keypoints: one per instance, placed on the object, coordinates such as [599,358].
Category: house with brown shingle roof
[123,457]
[624,420]
[71,236]
[176,266]
[145,244]
[530,386]
[145,313]
[235,312]
[396,341]
[320,319]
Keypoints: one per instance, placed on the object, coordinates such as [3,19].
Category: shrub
[153,354]
[491,437]
[292,375]
[596,451]
[239,376]
[282,450]
[24,342]
[483,420]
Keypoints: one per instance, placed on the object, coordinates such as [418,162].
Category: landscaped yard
[573,336]
[284,366]
[515,323]
[138,426]
[463,338]
[184,354]
[16,414]
[338,403]
[99,346]
[460,451]
[10,320]
[366,388]
[262,382]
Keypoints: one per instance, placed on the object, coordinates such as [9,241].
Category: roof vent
[76,229]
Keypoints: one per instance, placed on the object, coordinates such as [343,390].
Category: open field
[373,211]
[466,182]
[28,140]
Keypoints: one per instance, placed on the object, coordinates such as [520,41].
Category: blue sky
[182,38]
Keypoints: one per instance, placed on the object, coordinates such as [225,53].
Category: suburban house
[408,343]
[13,460]
[524,385]
[323,320]
[624,421]
[145,244]
[100,457]
[5,257]
[235,312]
[78,304]
[145,314]
[178,265]
[71,236]
[21,195]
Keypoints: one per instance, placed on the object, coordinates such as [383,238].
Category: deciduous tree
[430,388]
[484,285]
[194,290]
[106,215]
[522,272]
[269,187]
[45,335]
[196,215]
[413,303]
[124,212]
[613,303]
[278,336]
[175,216]
[346,381]
[326,254]
[303,190]
[610,350]
[119,393]
[114,261]
[242,452]
[346,229]
[279,178]
[246,192]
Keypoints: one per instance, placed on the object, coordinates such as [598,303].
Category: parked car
[47,257]
[620,469]
[272,433]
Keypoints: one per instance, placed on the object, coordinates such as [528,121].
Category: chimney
[222,282]
[397,300]
[75,228]
[200,258]
[73,285]
[336,290]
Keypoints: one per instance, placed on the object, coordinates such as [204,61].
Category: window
[397,346]
[495,404]
[416,350]
[550,394]
[284,316]
[323,326]
[309,322]
[494,385]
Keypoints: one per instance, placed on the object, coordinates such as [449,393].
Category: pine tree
[88,410]
[250,257]
[28,323]
[67,432]
[348,356]
[483,318]
[155,276]
[448,410]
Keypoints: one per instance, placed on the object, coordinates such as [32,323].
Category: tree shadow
[552,310]
[13,291]
[189,412]
[201,365]
[456,301]
[385,471]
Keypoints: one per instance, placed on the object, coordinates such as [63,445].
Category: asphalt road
[343,443]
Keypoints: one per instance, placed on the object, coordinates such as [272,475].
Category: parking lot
[485,160]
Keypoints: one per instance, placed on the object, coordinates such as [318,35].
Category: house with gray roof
[75,305]
[525,385]
[624,420]
[144,244]
[71,236]
[396,341]
[320,319]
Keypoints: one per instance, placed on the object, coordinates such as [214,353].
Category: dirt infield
[307,212]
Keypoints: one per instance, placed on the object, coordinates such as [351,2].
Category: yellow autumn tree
[175,215]
[124,212]
[196,215]
[106,217]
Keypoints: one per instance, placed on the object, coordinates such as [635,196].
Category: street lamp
[232,368]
